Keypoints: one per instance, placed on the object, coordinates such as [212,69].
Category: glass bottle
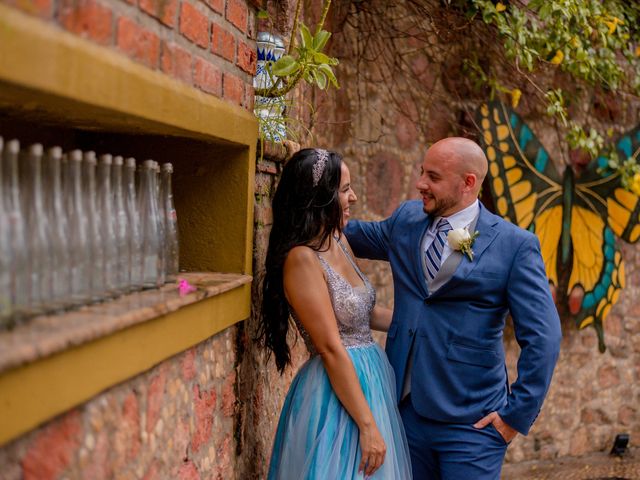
[80,272]
[122,230]
[57,215]
[39,264]
[135,239]
[171,248]
[94,228]
[162,265]
[148,207]
[107,223]
[5,258]
[13,207]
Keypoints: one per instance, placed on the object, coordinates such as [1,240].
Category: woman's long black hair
[303,214]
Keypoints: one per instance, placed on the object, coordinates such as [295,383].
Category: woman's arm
[307,293]
[381,318]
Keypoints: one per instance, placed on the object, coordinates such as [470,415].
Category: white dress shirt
[460,219]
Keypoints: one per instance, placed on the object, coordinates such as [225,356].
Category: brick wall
[176,421]
[209,44]
[179,419]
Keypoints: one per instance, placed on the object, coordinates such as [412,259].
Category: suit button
[411,332]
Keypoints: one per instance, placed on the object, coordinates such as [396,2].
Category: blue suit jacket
[459,373]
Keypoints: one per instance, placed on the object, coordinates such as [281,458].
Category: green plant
[595,43]
[304,61]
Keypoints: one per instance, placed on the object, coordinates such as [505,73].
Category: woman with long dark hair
[340,419]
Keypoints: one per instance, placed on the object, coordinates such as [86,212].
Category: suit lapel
[487,233]
[416,240]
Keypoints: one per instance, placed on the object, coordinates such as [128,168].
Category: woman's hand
[373,449]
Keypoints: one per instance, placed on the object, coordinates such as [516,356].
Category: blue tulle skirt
[316,437]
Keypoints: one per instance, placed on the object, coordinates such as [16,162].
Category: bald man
[445,339]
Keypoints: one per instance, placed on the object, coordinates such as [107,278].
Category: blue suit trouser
[450,451]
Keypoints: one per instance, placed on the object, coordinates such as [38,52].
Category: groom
[445,340]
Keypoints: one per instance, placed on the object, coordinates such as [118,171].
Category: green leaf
[326,69]
[321,58]
[286,65]
[320,40]
[321,80]
[263,15]
[306,40]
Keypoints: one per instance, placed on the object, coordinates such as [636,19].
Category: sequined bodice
[352,307]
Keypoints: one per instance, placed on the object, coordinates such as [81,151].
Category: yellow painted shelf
[51,82]
[54,363]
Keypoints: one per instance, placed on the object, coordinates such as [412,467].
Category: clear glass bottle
[39,262]
[162,262]
[150,234]
[122,230]
[171,248]
[57,215]
[107,223]
[135,239]
[80,271]
[13,207]
[94,228]
[6,307]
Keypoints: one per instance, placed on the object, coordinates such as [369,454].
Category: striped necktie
[433,254]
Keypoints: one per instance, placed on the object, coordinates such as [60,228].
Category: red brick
[155,396]
[237,14]
[233,88]
[188,471]
[207,77]
[223,454]
[130,427]
[249,97]
[99,465]
[228,406]
[137,42]
[176,61]
[53,448]
[40,8]
[194,25]
[204,406]
[87,19]
[223,43]
[152,472]
[247,57]
[163,10]
[216,5]
[188,366]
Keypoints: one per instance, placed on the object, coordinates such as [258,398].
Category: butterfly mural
[577,215]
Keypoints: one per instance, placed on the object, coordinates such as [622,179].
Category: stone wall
[174,421]
[383,135]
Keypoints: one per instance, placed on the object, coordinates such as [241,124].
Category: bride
[340,418]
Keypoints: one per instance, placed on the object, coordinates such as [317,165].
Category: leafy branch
[305,61]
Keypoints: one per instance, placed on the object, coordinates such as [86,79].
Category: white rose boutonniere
[461,240]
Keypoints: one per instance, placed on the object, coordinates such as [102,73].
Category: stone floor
[597,466]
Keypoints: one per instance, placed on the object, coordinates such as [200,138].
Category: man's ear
[470,181]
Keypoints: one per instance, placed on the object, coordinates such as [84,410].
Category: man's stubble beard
[441,205]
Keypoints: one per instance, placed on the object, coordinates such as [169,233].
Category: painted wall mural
[577,215]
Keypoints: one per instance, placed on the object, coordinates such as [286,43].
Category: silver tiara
[319,166]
